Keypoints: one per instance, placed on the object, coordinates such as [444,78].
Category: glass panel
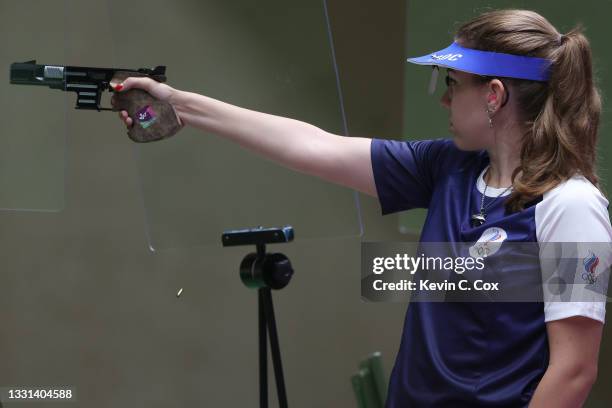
[33,126]
[271,56]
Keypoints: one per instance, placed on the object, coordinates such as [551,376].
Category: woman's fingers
[159,90]
[123,115]
[145,83]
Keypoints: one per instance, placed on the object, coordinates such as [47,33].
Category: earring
[490,119]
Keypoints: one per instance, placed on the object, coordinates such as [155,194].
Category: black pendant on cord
[478,219]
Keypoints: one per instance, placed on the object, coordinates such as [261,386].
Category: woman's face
[467,101]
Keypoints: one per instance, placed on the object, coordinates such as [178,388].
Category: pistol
[152,119]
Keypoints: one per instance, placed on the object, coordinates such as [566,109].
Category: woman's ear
[496,90]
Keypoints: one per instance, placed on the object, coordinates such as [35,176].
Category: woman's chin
[458,143]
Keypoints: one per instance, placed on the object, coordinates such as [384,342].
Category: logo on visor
[448,57]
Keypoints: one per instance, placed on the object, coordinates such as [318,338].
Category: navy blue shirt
[470,354]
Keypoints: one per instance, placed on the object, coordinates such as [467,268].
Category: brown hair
[561,117]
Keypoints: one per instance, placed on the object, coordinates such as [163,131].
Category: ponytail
[561,116]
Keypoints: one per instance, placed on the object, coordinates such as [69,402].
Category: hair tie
[562,39]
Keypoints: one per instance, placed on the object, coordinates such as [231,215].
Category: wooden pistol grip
[152,119]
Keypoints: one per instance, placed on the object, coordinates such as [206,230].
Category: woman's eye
[450,81]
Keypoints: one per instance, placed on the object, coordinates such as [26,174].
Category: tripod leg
[263,354]
[276,356]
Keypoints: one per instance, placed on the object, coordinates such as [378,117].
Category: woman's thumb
[134,82]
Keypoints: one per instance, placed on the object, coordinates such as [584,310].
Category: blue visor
[486,63]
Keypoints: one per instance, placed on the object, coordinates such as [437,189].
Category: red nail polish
[118,87]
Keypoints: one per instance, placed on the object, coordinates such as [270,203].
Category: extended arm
[292,143]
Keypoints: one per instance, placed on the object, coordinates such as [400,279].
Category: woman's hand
[158,90]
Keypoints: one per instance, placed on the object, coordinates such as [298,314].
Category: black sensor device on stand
[263,271]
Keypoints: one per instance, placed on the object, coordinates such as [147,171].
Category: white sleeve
[576,213]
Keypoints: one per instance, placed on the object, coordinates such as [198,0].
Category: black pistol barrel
[30,73]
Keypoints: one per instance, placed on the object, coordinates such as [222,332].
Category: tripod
[264,272]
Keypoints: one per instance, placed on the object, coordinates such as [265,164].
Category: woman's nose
[445,100]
